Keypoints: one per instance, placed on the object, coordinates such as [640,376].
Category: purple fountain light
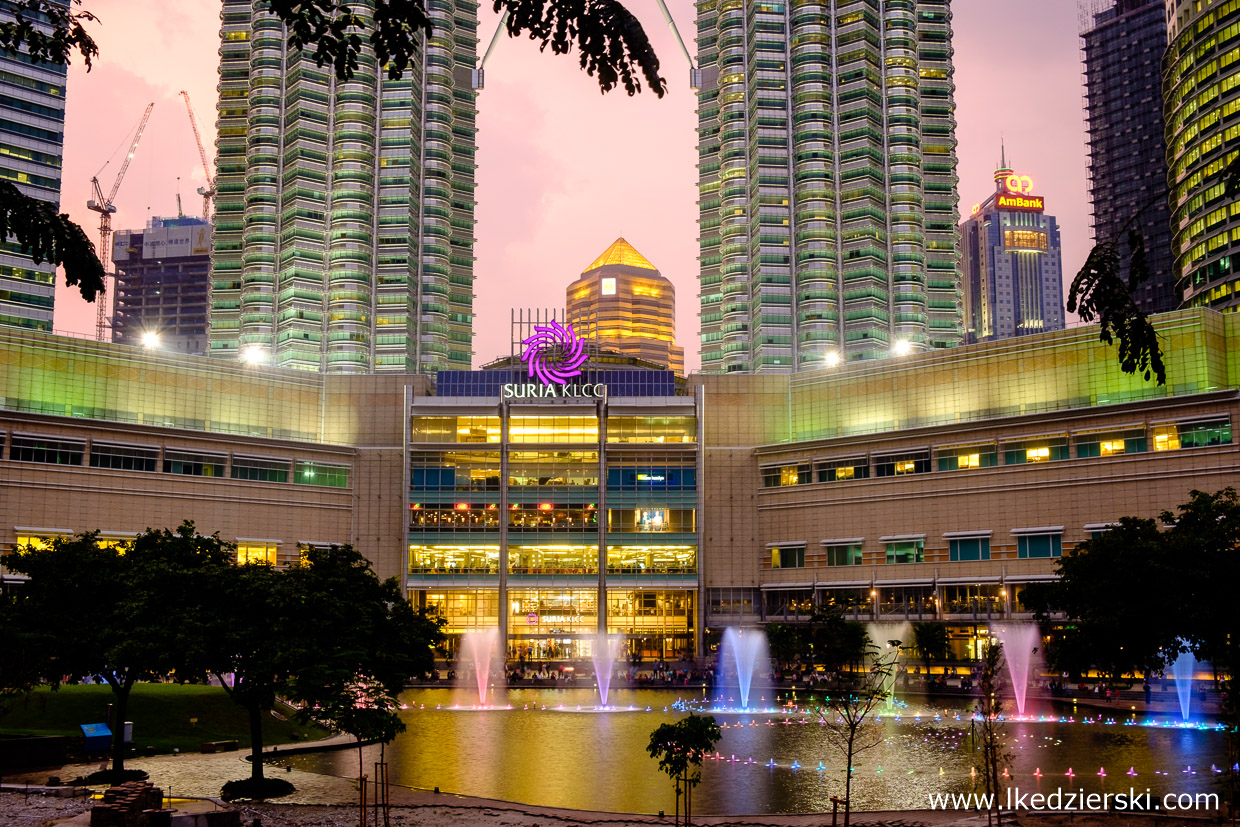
[604,658]
[1019,642]
[554,353]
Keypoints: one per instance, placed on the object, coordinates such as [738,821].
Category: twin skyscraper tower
[827,191]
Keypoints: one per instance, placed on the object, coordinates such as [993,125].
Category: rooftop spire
[621,252]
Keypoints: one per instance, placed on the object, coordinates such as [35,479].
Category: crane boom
[120,176]
[105,208]
[207,192]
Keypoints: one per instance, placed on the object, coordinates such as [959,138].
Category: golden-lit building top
[623,303]
[623,253]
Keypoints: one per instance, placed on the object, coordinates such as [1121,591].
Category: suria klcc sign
[553,356]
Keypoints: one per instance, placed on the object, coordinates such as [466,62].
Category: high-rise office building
[344,224]
[161,284]
[1201,99]
[32,127]
[1123,51]
[1012,266]
[827,182]
[622,302]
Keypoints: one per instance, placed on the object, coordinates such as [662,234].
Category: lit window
[906,467]
[788,558]
[844,473]
[1166,438]
[1113,446]
[969,461]
[256,552]
[1037,454]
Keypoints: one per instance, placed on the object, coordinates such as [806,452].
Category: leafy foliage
[120,613]
[611,41]
[680,748]
[1099,293]
[49,31]
[930,641]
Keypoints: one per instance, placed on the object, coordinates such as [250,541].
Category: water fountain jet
[1020,641]
[478,648]
[604,657]
[744,650]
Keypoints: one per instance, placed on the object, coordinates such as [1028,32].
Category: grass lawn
[160,713]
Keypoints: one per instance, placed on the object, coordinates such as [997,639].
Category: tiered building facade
[344,214]
[827,182]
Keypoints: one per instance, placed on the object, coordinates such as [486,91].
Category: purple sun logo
[554,353]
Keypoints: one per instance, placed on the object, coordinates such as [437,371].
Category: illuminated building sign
[533,390]
[554,353]
[609,287]
[651,477]
[1019,184]
[1027,203]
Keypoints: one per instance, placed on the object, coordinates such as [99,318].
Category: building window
[966,457]
[648,478]
[1039,545]
[455,429]
[652,429]
[123,457]
[1047,449]
[50,451]
[194,464]
[731,601]
[1177,435]
[788,557]
[844,554]
[967,549]
[843,469]
[917,462]
[259,470]
[1110,443]
[906,551]
[322,473]
[262,552]
[783,475]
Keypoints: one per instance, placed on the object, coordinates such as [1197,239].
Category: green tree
[22,654]
[930,641]
[120,613]
[989,708]
[319,634]
[850,726]
[680,748]
[1123,627]
[786,643]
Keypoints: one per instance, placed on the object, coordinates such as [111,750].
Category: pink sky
[564,170]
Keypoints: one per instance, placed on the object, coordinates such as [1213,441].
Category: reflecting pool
[563,756]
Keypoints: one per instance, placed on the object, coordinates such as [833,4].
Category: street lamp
[254,355]
[901,347]
[150,340]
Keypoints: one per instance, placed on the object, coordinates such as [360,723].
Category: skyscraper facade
[827,181]
[32,126]
[161,284]
[1201,102]
[1127,153]
[1012,264]
[622,302]
[344,225]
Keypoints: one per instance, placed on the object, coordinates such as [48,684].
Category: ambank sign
[554,354]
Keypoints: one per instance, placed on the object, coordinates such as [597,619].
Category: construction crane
[207,192]
[105,208]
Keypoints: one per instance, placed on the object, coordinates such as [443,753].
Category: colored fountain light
[1183,669]
[1020,643]
[744,650]
[478,648]
[604,657]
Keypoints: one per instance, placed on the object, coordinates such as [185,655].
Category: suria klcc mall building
[933,487]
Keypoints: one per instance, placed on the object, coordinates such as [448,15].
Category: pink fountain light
[554,354]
